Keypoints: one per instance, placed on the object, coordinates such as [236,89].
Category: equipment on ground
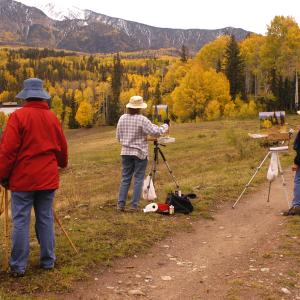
[181,203]
[273,171]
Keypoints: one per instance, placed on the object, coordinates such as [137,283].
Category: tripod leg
[6,229]
[153,168]
[168,167]
[248,184]
[283,182]
[1,204]
[64,231]
[270,183]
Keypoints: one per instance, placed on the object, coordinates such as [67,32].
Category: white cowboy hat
[298,112]
[136,102]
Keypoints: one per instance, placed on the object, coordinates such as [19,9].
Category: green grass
[213,159]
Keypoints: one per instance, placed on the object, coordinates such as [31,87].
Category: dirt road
[224,258]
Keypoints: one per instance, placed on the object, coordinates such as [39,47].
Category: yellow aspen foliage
[211,53]
[167,99]
[69,93]
[4,96]
[9,78]
[68,112]
[3,120]
[30,72]
[82,85]
[212,110]
[88,94]
[78,97]
[51,91]
[153,81]
[125,95]
[250,50]
[230,110]
[266,124]
[84,114]
[102,90]
[59,89]
[196,90]
[57,106]
[189,96]
[246,109]
[90,83]
[176,72]
[216,86]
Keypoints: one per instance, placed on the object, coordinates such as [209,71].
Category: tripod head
[161,140]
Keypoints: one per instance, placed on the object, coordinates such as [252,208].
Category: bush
[245,146]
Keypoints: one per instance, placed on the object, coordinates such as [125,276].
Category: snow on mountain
[61,12]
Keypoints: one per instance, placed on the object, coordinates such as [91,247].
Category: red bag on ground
[163,208]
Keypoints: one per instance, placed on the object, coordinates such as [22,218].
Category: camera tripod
[156,152]
[276,151]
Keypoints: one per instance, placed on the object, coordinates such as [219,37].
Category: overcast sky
[252,15]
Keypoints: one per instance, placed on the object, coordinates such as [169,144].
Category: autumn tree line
[225,79]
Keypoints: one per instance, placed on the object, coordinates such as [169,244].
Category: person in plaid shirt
[132,131]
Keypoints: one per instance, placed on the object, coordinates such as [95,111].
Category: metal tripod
[157,151]
[270,183]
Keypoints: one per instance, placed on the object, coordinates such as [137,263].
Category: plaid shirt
[132,132]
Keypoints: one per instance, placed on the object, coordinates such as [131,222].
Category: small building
[9,107]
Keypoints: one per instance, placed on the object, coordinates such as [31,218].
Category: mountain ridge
[96,32]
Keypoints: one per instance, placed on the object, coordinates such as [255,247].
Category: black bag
[182,204]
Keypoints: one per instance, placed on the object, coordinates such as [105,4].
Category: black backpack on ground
[182,204]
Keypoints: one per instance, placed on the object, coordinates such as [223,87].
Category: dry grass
[213,159]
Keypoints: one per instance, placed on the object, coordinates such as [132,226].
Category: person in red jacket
[33,148]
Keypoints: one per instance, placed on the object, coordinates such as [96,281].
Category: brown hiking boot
[295,210]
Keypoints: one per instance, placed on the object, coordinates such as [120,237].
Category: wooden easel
[4,209]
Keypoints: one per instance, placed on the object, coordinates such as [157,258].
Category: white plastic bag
[149,193]
[273,167]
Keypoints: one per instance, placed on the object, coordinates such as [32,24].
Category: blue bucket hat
[33,88]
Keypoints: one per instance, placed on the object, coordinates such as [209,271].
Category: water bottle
[171,210]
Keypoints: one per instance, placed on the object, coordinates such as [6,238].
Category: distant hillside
[92,32]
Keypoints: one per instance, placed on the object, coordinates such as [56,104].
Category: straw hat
[136,102]
[33,88]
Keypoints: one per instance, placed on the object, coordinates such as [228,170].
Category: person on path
[132,131]
[295,209]
[33,147]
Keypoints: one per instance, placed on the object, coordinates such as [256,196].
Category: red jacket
[33,146]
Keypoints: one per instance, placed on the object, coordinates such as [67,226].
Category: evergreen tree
[116,83]
[145,89]
[234,69]
[157,94]
[184,54]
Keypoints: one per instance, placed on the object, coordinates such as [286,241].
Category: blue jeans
[296,200]
[21,205]
[132,165]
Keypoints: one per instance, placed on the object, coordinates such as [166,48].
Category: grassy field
[212,159]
